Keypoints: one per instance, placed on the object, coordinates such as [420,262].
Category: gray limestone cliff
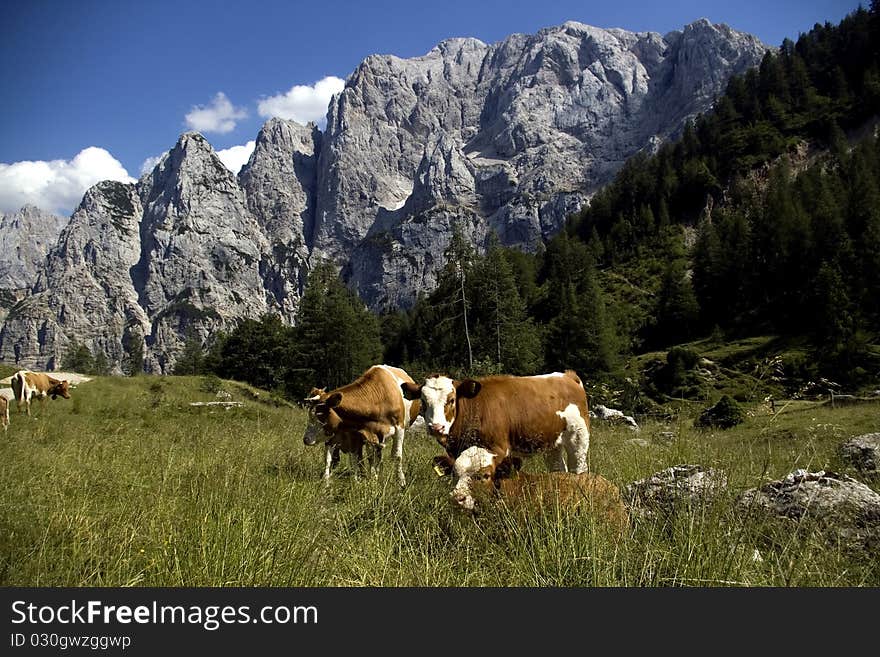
[508,138]
[279,183]
[143,267]
[25,238]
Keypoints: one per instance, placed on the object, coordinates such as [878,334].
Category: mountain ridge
[508,138]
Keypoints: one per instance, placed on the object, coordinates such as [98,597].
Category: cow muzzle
[464,500]
[311,436]
[438,430]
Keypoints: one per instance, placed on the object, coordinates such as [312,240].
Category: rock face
[141,267]
[84,293]
[25,238]
[843,507]
[509,137]
[279,182]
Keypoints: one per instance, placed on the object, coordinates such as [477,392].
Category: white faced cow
[27,385]
[364,412]
[509,417]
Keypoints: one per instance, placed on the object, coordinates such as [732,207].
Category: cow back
[374,396]
[552,491]
[521,411]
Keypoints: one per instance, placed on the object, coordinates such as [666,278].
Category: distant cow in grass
[362,414]
[510,417]
[27,385]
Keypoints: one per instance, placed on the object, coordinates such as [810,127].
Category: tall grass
[125,484]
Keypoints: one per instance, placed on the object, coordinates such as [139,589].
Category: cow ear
[410,390]
[468,388]
[333,400]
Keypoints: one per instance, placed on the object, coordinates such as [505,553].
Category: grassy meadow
[125,484]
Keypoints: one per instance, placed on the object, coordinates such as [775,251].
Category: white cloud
[235,157]
[150,163]
[302,103]
[57,185]
[219,116]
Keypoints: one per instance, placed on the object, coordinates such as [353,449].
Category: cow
[361,414]
[510,417]
[543,491]
[26,385]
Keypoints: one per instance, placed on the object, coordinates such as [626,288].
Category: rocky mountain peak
[506,138]
[25,238]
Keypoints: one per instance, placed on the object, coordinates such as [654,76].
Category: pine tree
[133,361]
[708,273]
[101,366]
[502,329]
[677,311]
[257,352]
[78,358]
[337,338]
[459,257]
[580,333]
[192,360]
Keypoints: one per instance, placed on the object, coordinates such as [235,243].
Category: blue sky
[96,88]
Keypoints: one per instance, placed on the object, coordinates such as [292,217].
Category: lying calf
[475,485]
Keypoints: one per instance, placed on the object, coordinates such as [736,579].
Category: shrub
[724,414]
[211,383]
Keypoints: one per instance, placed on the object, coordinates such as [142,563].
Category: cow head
[474,472]
[62,388]
[323,420]
[315,395]
[438,398]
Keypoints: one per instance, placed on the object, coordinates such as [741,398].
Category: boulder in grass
[843,508]
[674,488]
[724,414]
[863,452]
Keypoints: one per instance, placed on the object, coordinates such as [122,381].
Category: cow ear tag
[440,471]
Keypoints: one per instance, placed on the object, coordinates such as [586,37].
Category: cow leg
[375,460]
[554,457]
[577,443]
[355,459]
[331,458]
[364,462]
[398,455]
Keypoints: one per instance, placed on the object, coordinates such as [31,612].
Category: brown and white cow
[27,385]
[545,492]
[363,413]
[509,417]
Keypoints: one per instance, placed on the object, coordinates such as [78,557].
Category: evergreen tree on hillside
[192,359]
[439,334]
[580,334]
[677,311]
[503,331]
[337,338]
[78,358]
[257,352]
